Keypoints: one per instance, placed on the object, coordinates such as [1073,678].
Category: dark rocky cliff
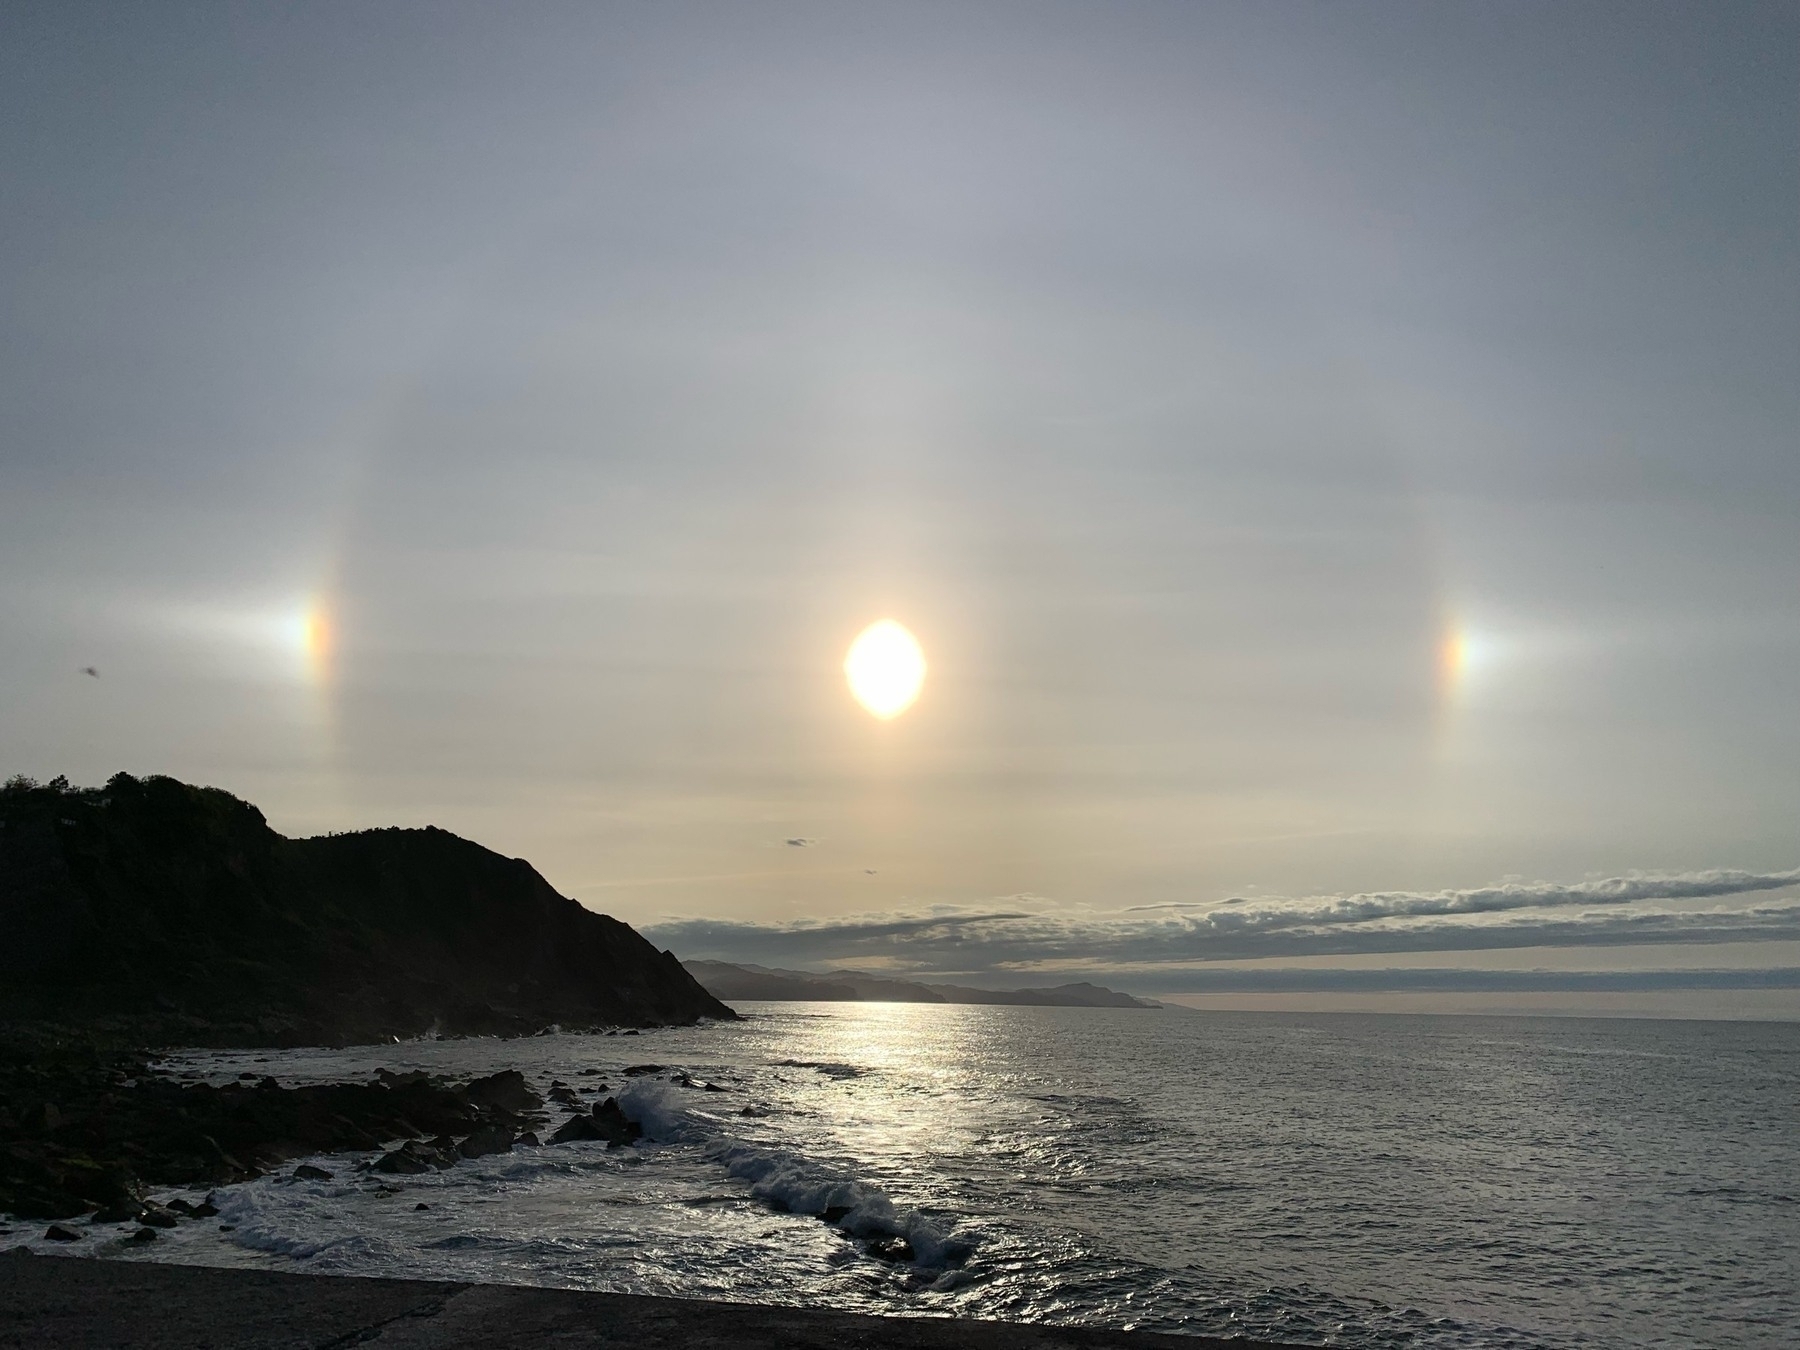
[157,911]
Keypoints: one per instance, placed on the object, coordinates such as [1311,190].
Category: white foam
[664,1114]
[793,1182]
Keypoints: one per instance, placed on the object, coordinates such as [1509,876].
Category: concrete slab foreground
[68,1303]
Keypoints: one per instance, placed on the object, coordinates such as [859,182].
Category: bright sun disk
[885,667]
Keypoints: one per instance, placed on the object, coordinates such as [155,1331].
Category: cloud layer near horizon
[1637,909]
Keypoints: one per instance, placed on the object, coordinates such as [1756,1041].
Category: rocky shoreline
[89,1139]
[90,1135]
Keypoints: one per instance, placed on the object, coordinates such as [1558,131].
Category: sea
[1345,1180]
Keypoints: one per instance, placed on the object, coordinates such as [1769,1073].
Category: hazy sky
[1325,450]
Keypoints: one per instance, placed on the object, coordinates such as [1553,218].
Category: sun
[885,667]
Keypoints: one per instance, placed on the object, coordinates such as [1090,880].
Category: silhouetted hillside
[154,910]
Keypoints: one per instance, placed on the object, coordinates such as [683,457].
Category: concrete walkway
[68,1303]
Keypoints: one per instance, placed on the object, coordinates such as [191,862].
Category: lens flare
[886,668]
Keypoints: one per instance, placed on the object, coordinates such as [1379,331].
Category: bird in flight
[89,670]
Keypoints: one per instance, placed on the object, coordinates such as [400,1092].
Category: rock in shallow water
[411,1159]
[506,1090]
[487,1140]
[607,1122]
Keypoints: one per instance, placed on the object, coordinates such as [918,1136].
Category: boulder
[57,1233]
[412,1078]
[896,1250]
[488,1139]
[439,1153]
[307,1172]
[506,1090]
[577,1129]
[158,1217]
[606,1122]
[123,1211]
[403,1161]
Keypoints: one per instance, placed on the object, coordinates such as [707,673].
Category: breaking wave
[800,1185]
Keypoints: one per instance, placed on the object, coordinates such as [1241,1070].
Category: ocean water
[1359,1181]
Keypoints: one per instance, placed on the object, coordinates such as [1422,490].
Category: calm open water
[1348,1180]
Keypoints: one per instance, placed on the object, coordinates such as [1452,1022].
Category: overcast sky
[1324,450]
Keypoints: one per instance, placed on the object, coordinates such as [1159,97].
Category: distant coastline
[728,980]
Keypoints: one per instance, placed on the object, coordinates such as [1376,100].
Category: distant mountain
[1082,995]
[165,913]
[728,981]
[725,981]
